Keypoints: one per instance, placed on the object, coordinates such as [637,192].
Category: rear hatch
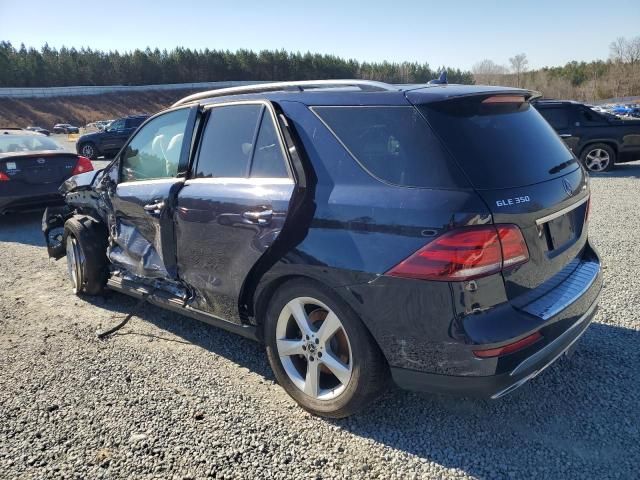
[37,168]
[524,173]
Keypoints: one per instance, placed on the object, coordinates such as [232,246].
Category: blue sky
[456,33]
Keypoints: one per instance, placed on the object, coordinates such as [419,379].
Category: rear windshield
[394,144]
[500,145]
[26,143]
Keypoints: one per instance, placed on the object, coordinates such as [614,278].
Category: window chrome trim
[561,212]
[152,181]
[257,181]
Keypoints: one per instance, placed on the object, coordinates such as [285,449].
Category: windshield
[500,145]
[26,143]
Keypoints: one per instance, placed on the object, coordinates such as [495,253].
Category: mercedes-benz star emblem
[567,187]
[41,161]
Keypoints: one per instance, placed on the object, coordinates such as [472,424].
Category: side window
[557,117]
[154,152]
[227,141]
[117,125]
[268,159]
[587,115]
[134,122]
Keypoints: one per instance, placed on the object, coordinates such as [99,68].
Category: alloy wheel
[314,348]
[88,151]
[73,262]
[597,160]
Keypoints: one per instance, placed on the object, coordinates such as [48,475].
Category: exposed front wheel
[89,150]
[85,246]
[320,351]
[598,157]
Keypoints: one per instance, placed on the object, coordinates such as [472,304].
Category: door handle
[154,209]
[263,217]
[565,135]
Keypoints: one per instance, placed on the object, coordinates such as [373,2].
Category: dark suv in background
[110,140]
[436,234]
[598,139]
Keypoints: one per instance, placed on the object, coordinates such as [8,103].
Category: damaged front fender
[79,194]
[82,181]
[53,229]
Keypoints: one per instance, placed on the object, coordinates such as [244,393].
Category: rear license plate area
[563,230]
[43,175]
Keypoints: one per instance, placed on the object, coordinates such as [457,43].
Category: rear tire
[85,240]
[598,157]
[89,150]
[333,371]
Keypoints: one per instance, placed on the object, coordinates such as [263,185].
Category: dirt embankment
[80,110]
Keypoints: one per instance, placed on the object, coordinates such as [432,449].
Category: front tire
[85,241]
[320,352]
[89,150]
[598,157]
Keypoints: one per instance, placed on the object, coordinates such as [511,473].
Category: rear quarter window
[394,144]
[557,117]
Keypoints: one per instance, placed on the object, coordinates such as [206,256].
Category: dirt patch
[80,110]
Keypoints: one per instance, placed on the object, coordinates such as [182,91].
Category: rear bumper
[428,331]
[20,203]
[496,386]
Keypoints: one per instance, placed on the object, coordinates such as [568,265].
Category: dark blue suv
[432,234]
[110,140]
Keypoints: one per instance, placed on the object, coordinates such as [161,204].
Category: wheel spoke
[287,348]
[296,308]
[320,364]
[312,379]
[329,327]
[339,369]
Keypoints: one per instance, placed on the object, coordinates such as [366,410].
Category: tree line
[618,76]
[50,67]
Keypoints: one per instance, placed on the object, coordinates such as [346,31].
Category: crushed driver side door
[151,172]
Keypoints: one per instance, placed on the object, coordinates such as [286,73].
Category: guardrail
[97,90]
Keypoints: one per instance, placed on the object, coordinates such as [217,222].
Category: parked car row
[99,125]
[41,130]
[432,235]
[628,110]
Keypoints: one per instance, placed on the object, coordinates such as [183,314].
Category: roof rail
[365,85]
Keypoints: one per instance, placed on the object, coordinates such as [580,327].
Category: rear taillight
[4,177]
[510,348]
[83,165]
[466,253]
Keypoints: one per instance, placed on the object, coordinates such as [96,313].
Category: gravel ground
[169,397]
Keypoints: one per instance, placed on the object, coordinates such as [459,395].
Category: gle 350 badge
[513,201]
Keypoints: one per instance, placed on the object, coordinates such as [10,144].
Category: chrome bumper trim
[559,213]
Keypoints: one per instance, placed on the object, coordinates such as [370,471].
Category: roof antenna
[442,80]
